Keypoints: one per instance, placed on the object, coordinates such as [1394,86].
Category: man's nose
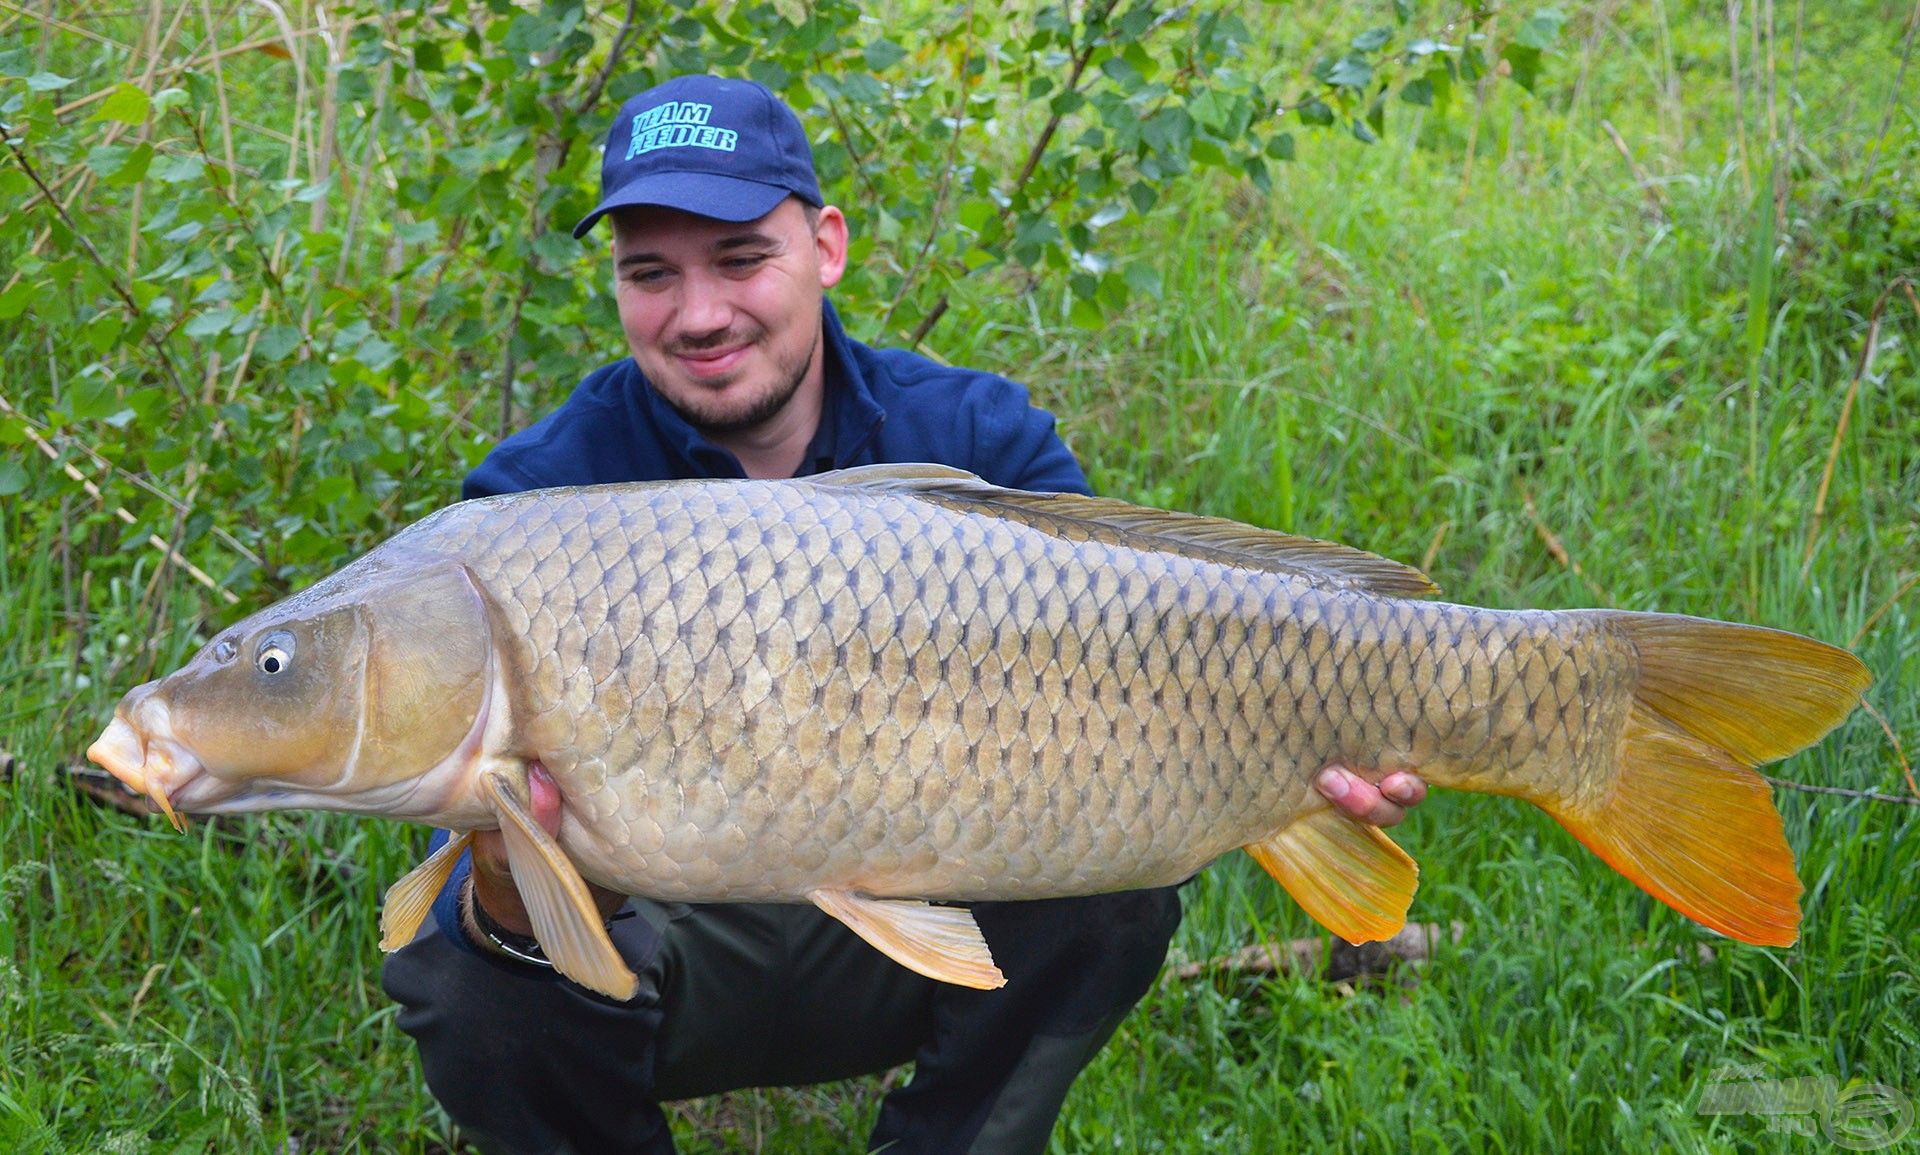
[705,306]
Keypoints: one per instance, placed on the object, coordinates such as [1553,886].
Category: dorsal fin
[1324,563]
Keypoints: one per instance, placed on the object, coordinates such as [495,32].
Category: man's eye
[647,276]
[745,263]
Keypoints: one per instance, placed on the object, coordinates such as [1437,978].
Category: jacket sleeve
[1018,446]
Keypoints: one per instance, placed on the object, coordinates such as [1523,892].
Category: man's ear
[830,241]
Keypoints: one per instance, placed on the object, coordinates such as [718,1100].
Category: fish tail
[1685,817]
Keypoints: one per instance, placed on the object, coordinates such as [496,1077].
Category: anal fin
[409,899]
[940,942]
[1348,875]
[564,916]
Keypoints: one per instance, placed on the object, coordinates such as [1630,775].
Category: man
[723,250]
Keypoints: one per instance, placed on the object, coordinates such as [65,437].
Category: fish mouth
[156,767]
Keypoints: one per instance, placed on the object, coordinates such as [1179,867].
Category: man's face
[724,318]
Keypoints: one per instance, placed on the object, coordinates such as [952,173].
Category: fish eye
[276,653]
[224,651]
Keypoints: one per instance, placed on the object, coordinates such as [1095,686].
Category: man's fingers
[545,797]
[1405,788]
[1361,800]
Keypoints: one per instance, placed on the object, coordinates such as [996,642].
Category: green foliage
[301,288]
[272,332]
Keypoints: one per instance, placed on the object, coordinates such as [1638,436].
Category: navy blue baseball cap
[726,149]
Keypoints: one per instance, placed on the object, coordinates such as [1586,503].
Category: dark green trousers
[749,996]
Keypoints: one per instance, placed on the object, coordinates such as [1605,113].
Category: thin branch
[1863,795]
[599,83]
[1867,352]
[1559,551]
[1906,586]
[113,279]
[135,480]
[1893,98]
[1647,188]
[1081,59]
[120,511]
[948,167]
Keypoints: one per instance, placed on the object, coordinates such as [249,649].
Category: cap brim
[704,194]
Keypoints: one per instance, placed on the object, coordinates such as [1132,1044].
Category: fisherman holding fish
[723,250]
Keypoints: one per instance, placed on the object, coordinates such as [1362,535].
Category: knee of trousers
[529,1062]
[1100,953]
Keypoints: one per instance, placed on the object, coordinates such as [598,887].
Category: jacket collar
[849,418]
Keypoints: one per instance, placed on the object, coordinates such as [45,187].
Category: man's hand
[493,886]
[1358,798]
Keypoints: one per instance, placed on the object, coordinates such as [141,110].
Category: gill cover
[348,687]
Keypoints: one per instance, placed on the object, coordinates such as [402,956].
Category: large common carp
[889,685]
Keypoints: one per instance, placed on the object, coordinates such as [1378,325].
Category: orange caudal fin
[1686,818]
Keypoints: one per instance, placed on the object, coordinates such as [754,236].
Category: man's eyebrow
[746,241]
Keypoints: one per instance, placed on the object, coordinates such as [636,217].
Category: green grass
[1381,352]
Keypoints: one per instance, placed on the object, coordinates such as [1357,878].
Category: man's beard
[759,409]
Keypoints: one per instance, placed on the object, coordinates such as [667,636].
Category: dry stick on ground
[1648,189]
[1414,943]
[1867,352]
[1559,551]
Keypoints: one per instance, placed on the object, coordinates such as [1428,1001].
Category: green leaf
[1143,278]
[1524,63]
[209,322]
[1418,91]
[277,342]
[127,104]
[1086,314]
[1208,153]
[13,477]
[1256,169]
[181,169]
[1313,110]
[314,192]
[133,169]
[427,57]
[103,332]
[1373,39]
[376,353]
[882,54]
[977,214]
[1541,31]
[14,301]
[47,82]
[1350,72]
[1280,146]
[91,398]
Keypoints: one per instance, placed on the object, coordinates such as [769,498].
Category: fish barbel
[895,684]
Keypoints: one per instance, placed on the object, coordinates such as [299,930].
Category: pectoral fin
[1348,875]
[409,900]
[564,917]
[941,942]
